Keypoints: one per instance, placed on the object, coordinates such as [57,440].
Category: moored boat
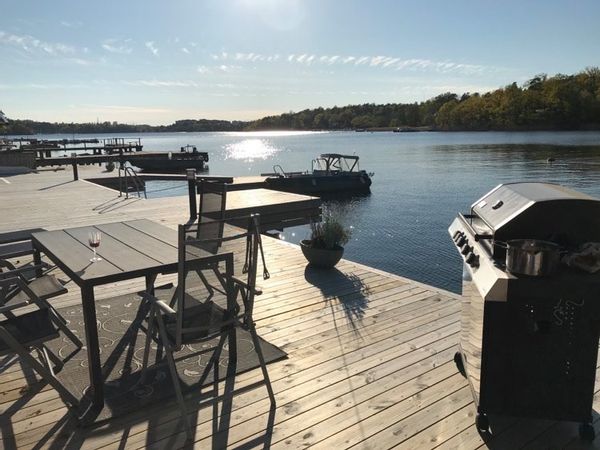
[331,173]
[188,158]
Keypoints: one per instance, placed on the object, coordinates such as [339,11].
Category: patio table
[129,249]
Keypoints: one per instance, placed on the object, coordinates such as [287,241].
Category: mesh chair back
[211,214]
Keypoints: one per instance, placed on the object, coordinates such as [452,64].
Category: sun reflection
[250,149]
[271,133]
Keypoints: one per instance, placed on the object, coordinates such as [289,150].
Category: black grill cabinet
[529,345]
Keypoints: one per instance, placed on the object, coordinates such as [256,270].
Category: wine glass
[94,241]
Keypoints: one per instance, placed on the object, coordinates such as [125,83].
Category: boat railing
[128,177]
[278,170]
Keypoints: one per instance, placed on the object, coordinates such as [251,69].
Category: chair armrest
[243,284]
[7,264]
[7,308]
[16,272]
[165,309]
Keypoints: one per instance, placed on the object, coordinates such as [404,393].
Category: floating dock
[370,354]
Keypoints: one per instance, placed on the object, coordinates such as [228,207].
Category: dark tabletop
[128,249]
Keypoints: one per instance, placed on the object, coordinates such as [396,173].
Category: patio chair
[22,333]
[195,317]
[44,287]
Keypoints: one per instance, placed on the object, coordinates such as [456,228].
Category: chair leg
[43,353]
[149,337]
[61,323]
[174,297]
[214,360]
[173,369]
[208,286]
[261,359]
[58,363]
[221,278]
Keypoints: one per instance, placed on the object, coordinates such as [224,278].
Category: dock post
[75,169]
[190,175]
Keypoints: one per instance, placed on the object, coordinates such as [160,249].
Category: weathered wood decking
[370,355]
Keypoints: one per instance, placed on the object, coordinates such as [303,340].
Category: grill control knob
[461,241]
[456,234]
[467,249]
[472,259]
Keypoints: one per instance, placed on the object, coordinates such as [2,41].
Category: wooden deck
[370,355]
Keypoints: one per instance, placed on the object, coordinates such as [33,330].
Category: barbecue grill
[528,345]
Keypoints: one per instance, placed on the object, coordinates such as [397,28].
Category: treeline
[203,125]
[25,127]
[560,102]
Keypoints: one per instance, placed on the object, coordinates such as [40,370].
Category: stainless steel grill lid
[537,211]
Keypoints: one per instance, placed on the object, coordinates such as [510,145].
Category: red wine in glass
[94,241]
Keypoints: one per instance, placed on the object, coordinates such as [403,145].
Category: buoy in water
[551,159]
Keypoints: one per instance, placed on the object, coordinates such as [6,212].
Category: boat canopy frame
[335,162]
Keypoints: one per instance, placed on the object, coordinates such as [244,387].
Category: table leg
[37,260]
[229,288]
[150,279]
[93,348]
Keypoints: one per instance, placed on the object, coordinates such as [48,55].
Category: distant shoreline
[365,130]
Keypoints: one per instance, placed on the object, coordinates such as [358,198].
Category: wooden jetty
[370,355]
[45,148]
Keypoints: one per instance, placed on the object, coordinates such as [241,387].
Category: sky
[155,62]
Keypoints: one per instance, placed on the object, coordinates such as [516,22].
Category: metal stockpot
[532,257]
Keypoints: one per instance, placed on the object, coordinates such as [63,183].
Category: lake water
[421,181]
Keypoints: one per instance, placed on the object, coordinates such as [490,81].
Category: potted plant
[325,246]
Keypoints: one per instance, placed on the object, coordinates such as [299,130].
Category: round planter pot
[321,257]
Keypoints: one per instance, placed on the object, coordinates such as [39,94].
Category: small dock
[370,354]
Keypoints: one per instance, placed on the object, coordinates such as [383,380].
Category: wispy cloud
[216,57]
[227,68]
[162,83]
[119,46]
[30,44]
[82,61]
[221,68]
[150,46]
[185,50]
[377,61]
[71,24]
[213,88]
[42,86]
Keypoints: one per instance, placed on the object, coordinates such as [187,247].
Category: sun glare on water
[250,149]
[278,133]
